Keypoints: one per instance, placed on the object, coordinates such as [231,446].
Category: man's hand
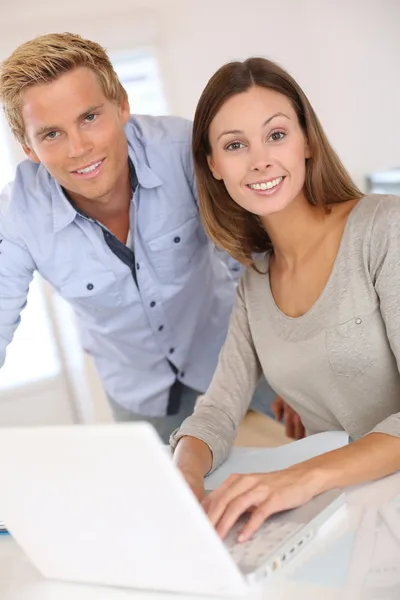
[294,428]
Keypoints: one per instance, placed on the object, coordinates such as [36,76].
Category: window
[32,355]
[138,73]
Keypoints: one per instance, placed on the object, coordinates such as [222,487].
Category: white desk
[366,529]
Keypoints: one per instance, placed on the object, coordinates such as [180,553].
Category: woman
[318,310]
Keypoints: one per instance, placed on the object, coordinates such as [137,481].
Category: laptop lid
[104,504]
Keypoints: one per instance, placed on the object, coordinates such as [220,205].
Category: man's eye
[234,146]
[90,118]
[276,136]
[52,135]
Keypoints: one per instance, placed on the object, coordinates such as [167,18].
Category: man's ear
[30,153]
[125,109]
[213,168]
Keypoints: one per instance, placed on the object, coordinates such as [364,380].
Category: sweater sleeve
[385,274]
[220,410]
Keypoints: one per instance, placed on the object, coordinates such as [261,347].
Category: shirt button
[358,321]
[137,266]
[90,286]
[171,350]
[152,304]
[177,239]
[161,328]
[182,373]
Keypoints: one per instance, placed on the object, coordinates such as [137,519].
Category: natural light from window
[32,355]
[138,73]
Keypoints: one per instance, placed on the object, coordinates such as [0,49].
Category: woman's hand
[294,428]
[261,494]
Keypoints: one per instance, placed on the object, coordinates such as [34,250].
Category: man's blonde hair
[43,60]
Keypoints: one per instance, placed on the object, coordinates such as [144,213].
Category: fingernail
[241,537]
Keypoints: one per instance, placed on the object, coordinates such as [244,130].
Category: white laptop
[104,504]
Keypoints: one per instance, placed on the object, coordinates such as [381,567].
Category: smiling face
[78,134]
[259,150]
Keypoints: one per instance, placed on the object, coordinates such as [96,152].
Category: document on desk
[360,562]
[374,572]
[265,460]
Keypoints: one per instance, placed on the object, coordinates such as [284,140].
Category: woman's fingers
[247,502]
[260,495]
[257,518]
[212,498]
[235,486]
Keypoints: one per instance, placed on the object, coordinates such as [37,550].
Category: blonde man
[106,210]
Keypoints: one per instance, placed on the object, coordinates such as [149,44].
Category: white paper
[374,571]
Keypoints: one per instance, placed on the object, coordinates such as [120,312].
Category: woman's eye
[276,136]
[234,146]
[90,118]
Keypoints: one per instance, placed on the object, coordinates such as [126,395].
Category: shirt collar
[63,211]
[147,178]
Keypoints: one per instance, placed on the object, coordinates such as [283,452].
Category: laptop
[104,504]
[3,530]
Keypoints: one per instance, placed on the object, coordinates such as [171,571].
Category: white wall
[345,54]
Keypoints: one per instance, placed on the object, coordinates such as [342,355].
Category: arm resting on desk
[372,457]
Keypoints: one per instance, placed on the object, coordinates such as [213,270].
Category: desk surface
[356,555]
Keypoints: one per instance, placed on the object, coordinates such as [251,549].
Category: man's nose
[78,144]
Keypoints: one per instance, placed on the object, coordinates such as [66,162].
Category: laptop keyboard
[251,554]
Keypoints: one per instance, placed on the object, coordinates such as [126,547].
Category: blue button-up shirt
[180,310]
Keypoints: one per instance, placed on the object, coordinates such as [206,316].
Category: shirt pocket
[349,346]
[95,292]
[172,253]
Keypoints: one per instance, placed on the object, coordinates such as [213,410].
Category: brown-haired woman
[318,309]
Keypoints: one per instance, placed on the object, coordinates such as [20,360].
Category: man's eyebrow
[89,111]
[45,129]
[49,128]
[239,131]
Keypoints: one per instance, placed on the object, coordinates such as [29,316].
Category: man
[105,209]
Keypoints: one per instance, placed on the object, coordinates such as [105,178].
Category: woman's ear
[213,168]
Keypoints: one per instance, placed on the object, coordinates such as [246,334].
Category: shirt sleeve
[385,274]
[218,413]
[16,272]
